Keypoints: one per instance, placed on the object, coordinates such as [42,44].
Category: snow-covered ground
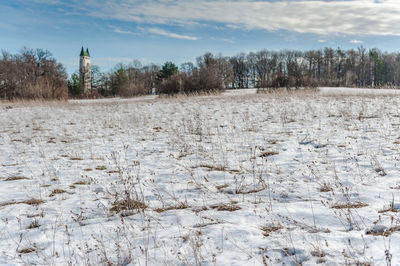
[251,179]
[357,91]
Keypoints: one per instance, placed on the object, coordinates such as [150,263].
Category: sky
[156,31]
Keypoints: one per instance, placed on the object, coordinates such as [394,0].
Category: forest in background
[32,74]
[36,74]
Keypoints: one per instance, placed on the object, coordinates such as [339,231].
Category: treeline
[327,67]
[32,74]
[262,69]
[36,74]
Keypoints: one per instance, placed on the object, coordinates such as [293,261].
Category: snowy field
[236,179]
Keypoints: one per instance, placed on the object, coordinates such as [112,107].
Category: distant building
[85,71]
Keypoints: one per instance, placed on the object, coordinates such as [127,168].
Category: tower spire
[85,71]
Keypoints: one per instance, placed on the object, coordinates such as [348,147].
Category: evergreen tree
[167,70]
[119,80]
[74,85]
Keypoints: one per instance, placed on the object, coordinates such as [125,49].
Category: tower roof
[85,53]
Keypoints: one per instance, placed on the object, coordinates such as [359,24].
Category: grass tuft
[349,205]
[225,207]
[126,205]
[267,230]
[268,153]
[57,191]
[14,178]
[26,250]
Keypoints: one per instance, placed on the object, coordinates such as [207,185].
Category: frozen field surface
[236,179]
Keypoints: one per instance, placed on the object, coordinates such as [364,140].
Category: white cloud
[116,30]
[353,17]
[162,32]
[356,41]
[322,41]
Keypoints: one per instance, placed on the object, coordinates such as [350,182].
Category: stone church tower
[85,72]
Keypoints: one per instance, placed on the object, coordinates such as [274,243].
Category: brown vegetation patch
[57,191]
[222,186]
[254,190]
[26,250]
[380,171]
[268,153]
[389,209]
[32,201]
[14,178]
[75,158]
[127,204]
[270,228]
[34,224]
[113,172]
[318,253]
[213,167]
[272,141]
[8,203]
[349,205]
[367,116]
[11,164]
[179,207]
[225,207]
[88,169]
[81,182]
[325,188]
[101,167]
[385,232]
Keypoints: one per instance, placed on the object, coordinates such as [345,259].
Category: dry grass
[33,202]
[26,250]
[349,205]
[220,187]
[57,191]
[113,172]
[325,188]
[225,207]
[265,185]
[81,182]
[127,205]
[34,224]
[267,230]
[250,191]
[268,153]
[14,178]
[389,209]
[387,232]
[75,158]
[213,167]
[179,207]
